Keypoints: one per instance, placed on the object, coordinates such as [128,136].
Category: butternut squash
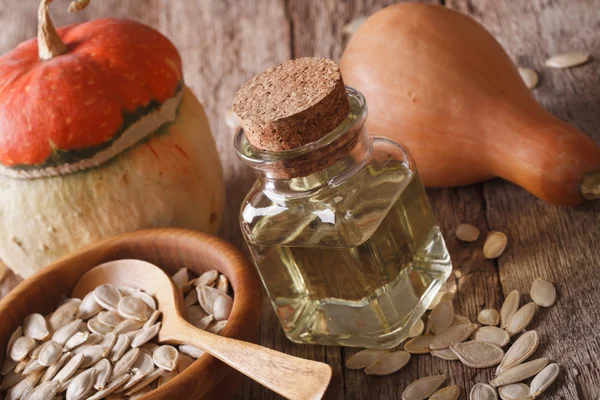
[436,80]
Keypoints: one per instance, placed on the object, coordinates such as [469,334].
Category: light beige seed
[134,308]
[50,353]
[69,369]
[515,391]
[489,316]
[166,357]
[214,302]
[63,334]
[388,363]
[142,367]
[521,319]
[149,347]
[567,60]
[129,325]
[483,391]
[91,355]
[110,388]
[8,365]
[222,284]
[520,372]
[145,335]
[110,318]
[439,297]
[477,354]
[119,348]
[418,345]
[191,351]
[17,333]
[204,322]
[544,379]
[467,232]
[191,298]
[445,354]
[125,363]
[207,278]
[454,334]
[22,347]
[195,314]
[35,327]
[15,392]
[146,298]
[89,307]
[20,367]
[184,361]
[441,317]
[64,314]
[107,296]
[152,319]
[54,368]
[104,369]
[77,339]
[133,334]
[145,382]
[417,329]
[494,245]
[509,307]
[180,278]
[107,343]
[460,320]
[45,391]
[33,366]
[217,327]
[128,290]
[36,351]
[92,339]
[10,380]
[447,393]
[423,388]
[97,327]
[491,334]
[543,293]
[81,385]
[530,77]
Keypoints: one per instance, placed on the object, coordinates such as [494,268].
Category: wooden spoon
[291,377]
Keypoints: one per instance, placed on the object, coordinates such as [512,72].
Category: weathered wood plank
[559,244]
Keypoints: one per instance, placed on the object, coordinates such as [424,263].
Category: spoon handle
[292,377]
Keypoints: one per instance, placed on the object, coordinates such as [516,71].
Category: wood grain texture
[224,43]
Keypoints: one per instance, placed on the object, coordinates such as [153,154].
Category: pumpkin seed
[8,365]
[521,319]
[152,319]
[447,393]
[33,366]
[25,385]
[164,379]
[467,232]
[154,375]
[184,361]
[223,284]
[454,334]
[483,391]
[191,298]
[520,372]
[121,345]
[191,351]
[97,327]
[166,357]
[567,60]
[69,369]
[64,314]
[107,343]
[131,335]
[444,354]
[145,335]
[129,325]
[91,355]
[81,385]
[50,353]
[204,322]
[214,302]
[417,329]
[388,363]
[36,351]
[92,339]
[489,316]
[149,347]
[54,368]
[110,318]
[207,278]
[21,365]
[108,297]
[529,76]
[423,388]
[494,245]
[217,327]
[17,333]
[104,370]
[77,339]
[35,327]
[543,293]
[195,314]
[125,363]
[439,297]
[64,333]
[142,367]
[146,298]
[134,308]
[441,317]
[460,320]
[22,347]
[89,306]
[128,290]
[515,391]
[10,380]
[110,388]
[418,345]
[491,334]
[477,354]
[509,307]
[543,380]
[180,278]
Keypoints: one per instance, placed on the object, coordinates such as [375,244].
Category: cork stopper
[292,104]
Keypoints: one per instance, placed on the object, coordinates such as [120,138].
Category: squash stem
[50,45]
[590,186]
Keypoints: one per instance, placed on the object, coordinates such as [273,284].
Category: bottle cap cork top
[292,104]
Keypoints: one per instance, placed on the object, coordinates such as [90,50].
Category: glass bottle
[343,235]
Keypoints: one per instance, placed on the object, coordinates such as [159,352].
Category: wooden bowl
[170,249]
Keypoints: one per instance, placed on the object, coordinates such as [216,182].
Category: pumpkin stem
[50,44]
[590,186]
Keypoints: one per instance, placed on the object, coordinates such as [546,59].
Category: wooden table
[225,42]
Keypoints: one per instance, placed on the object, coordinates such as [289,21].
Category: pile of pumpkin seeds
[105,345]
[453,337]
